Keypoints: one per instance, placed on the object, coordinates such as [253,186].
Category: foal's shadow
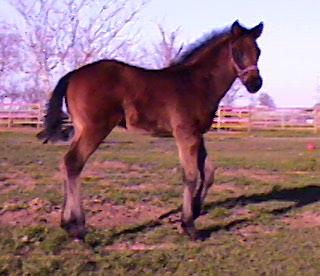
[299,196]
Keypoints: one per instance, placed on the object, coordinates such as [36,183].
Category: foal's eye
[238,55]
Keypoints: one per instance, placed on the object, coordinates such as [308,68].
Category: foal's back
[146,99]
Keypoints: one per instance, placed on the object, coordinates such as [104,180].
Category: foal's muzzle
[253,84]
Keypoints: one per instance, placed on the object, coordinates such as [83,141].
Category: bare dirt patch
[34,212]
[218,188]
[305,220]
[103,169]
[99,214]
[148,187]
[259,175]
[107,215]
[252,231]
[139,247]
[15,180]
[113,165]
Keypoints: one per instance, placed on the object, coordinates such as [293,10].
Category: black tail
[55,117]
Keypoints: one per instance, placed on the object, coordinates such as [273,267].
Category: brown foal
[180,100]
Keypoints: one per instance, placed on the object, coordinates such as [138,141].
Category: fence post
[219,119]
[10,117]
[282,120]
[316,119]
[39,115]
[249,127]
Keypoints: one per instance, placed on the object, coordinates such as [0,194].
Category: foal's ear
[257,30]
[236,29]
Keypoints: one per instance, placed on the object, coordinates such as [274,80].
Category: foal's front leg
[206,170]
[188,146]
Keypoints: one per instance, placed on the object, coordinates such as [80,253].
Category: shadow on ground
[299,197]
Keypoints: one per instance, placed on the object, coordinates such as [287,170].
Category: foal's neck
[217,72]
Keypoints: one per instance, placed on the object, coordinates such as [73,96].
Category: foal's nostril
[253,85]
[258,84]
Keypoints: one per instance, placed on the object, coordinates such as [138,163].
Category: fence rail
[267,119]
[20,115]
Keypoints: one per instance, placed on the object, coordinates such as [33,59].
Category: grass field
[262,216]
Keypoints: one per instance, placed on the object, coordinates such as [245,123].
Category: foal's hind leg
[73,218]
[206,171]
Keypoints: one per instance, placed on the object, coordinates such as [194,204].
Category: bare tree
[161,53]
[63,35]
[11,54]
[168,50]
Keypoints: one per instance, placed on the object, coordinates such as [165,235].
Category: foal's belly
[149,125]
[148,117]
[151,128]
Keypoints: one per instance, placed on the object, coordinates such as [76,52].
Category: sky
[290,43]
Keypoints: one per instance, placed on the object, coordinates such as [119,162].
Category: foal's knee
[190,178]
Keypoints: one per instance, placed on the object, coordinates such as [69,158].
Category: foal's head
[245,53]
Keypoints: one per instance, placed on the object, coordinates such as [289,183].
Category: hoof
[190,231]
[74,230]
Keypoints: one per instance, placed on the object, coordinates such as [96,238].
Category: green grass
[262,180]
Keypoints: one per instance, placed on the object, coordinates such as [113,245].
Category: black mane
[211,38]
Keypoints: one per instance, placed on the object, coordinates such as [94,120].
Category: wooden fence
[20,115]
[267,119]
